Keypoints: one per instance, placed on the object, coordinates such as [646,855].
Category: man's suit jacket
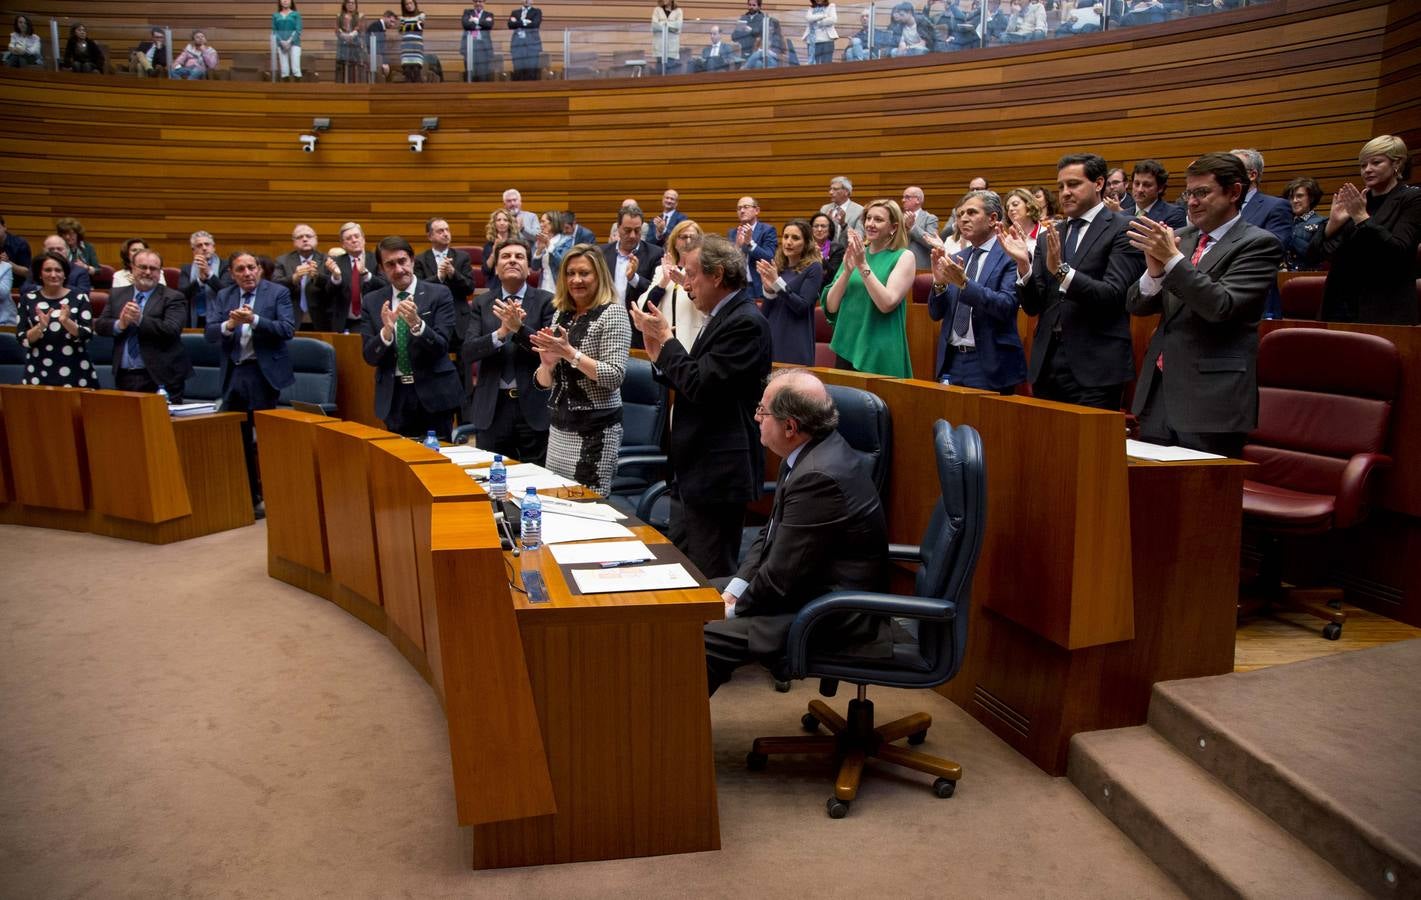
[992,296]
[480,27]
[1273,214]
[853,218]
[1373,274]
[581,235]
[1091,314]
[435,379]
[273,329]
[218,278]
[648,257]
[526,41]
[766,241]
[335,311]
[1127,203]
[1166,212]
[725,59]
[461,280]
[673,218]
[160,332]
[924,224]
[516,352]
[714,440]
[827,532]
[281,274]
[1208,330]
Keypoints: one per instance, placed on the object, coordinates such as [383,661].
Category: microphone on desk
[500,516]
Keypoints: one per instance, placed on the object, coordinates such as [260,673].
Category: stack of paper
[602,553]
[525,475]
[465,455]
[1161,453]
[191,409]
[671,576]
[559,529]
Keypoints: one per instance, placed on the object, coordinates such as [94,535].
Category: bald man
[826,532]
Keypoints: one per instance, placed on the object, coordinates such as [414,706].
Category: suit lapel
[703,340]
[1098,226]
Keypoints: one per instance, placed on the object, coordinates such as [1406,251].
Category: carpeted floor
[175,723]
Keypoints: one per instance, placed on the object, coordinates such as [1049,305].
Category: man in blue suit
[1147,186]
[252,320]
[974,296]
[1273,214]
[670,217]
[407,328]
[753,238]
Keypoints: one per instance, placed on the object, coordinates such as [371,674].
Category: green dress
[870,340]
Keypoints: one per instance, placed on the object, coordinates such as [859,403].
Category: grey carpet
[175,723]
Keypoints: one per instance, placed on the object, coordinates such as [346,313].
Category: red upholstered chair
[103,278]
[823,334]
[1302,296]
[1324,407]
[97,301]
[476,254]
[922,287]
[171,276]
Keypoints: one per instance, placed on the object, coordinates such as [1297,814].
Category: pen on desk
[625,562]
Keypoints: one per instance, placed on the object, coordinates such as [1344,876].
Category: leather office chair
[314,364]
[930,635]
[1301,296]
[205,382]
[824,355]
[922,287]
[1324,404]
[641,461]
[12,359]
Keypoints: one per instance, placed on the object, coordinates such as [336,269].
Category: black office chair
[12,359]
[641,461]
[313,362]
[930,635]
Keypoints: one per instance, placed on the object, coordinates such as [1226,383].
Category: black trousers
[1056,382]
[248,391]
[510,434]
[1155,428]
[140,381]
[708,533]
[409,418]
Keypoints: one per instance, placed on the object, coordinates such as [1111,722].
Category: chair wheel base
[808,722]
[782,686]
[755,762]
[1332,631]
[917,737]
[944,787]
[837,808]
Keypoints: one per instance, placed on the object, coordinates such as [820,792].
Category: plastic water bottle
[431,441]
[164,394]
[498,479]
[532,520]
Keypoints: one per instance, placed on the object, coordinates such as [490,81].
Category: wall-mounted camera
[308,143]
[416,143]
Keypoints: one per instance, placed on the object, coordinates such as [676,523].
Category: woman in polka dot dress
[55,324]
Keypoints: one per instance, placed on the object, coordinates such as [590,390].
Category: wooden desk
[291,487]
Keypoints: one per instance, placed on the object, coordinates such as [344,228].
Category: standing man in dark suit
[526,44]
[974,296]
[1076,287]
[749,27]
[443,264]
[1147,186]
[408,326]
[505,406]
[1199,383]
[827,532]
[716,462]
[478,42]
[1272,214]
[631,260]
[670,216]
[146,320]
[299,272]
[755,240]
[252,321]
[205,271]
[343,293]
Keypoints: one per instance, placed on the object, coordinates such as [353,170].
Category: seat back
[922,287]
[314,364]
[1301,296]
[100,350]
[1323,397]
[866,425]
[103,278]
[643,408]
[205,382]
[12,359]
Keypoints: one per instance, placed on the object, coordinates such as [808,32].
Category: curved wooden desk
[579,729]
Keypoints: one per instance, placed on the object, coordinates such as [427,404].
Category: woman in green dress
[867,303]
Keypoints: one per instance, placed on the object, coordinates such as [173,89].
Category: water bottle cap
[429,433]
[498,457]
[532,490]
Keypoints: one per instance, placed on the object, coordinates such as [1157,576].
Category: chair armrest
[929,609]
[648,499]
[648,459]
[640,450]
[1355,488]
[905,552]
[462,433]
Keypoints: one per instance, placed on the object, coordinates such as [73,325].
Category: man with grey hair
[826,532]
[527,222]
[350,273]
[921,225]
[1273,214]
[843,210]
[205,271]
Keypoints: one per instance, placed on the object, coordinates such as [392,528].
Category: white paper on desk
[562,529]
[601,552]
[191,409]
[670,576]
[572,508]
[543,482]
[467,456]
[1159,453]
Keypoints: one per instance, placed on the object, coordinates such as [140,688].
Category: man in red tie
[342,290]
[1198,386]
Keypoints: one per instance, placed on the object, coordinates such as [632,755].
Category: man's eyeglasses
[1198,193]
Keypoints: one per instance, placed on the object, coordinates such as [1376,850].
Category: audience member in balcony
[1303,193]
[351,49]
[1025,214]
[910,34]
[867,301]
[385,49]
[286,31]
[200,280]
[749,27]
[123,275]
[669,282]
[150,57]
[1027,22]
[79,250]
[478,41]
[1370,239]
[922,227]
[25,47]
[791,285]
[498,229]
[780,52]
[824,237]
[820,31]
[411,41]
[963,25]
[1082,19]
[666,21]
[841,207]
[857,50]
[1147,186]
[197,59]
[718,54]
[77,278]
[997,21]
[9,315]
[526,46]
[82,54]
[1143,12]
[55,322]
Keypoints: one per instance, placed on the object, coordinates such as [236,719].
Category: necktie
[244,334]
[304,260]
[1199,250]
[354,290]
[402,341]
[785,469]
[962,316]
[132,359]
[1073,232]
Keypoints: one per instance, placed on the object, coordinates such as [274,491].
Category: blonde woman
[686,320]
[1024,213]
[867,301]
[498,230]
[583,359]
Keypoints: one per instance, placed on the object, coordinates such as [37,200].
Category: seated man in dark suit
[974,296]
[505,405]
[252,321]
[826,532]
[78,280]
[1147,186]
[719,54]
[146,320]
[407,327]
[299,272]
[1198,384]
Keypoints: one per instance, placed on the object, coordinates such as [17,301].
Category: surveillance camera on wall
[308,143]
[416,143]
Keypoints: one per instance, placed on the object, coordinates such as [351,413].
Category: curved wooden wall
[1306,81]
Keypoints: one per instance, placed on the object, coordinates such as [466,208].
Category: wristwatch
[1062,271]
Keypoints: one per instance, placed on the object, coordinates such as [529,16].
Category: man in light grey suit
[922,227]
[527,222]
[1198,384]
[842,209]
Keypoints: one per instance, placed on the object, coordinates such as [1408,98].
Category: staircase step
[1210,840]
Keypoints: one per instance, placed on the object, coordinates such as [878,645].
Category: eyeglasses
[761,411]
[1198,193]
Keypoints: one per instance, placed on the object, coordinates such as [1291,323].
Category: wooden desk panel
[133,457]
[439,485]
[295,527]
[355,379]
[343,457]
[395,495]
[48,459]
[7,482]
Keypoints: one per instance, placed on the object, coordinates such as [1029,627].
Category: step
[1210,840]
[1327,748]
